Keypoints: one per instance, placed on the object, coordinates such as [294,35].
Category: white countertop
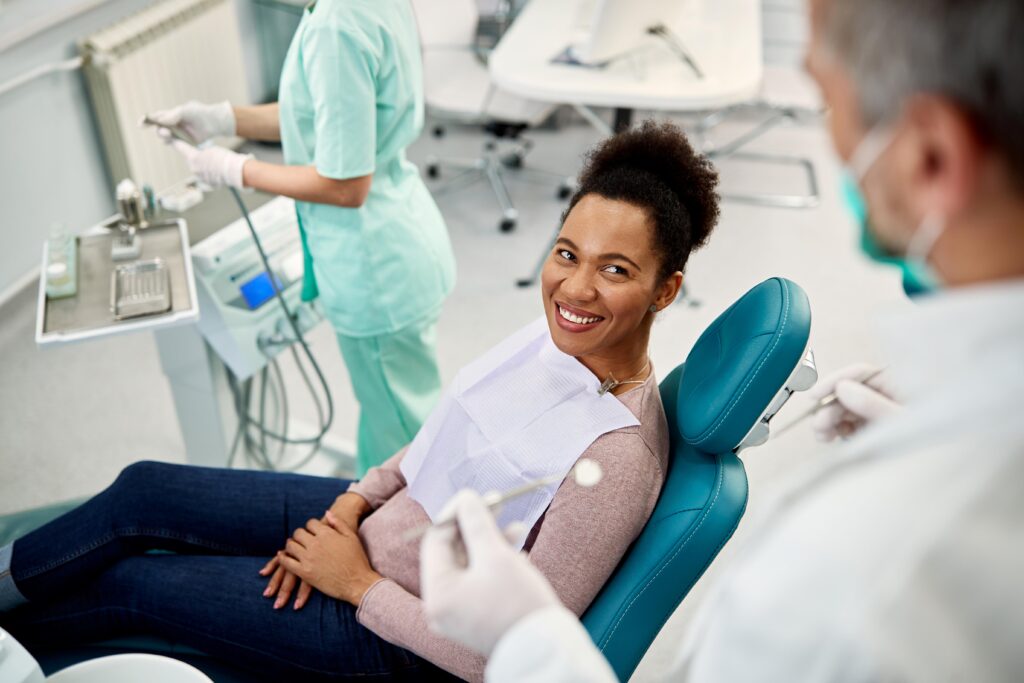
[723,36]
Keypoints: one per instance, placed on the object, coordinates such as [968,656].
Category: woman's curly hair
[654,168]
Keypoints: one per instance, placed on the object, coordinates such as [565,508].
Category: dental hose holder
[127,243]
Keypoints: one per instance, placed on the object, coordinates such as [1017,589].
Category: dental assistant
[899,557]
[376,248]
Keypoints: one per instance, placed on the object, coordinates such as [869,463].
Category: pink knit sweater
[577,543]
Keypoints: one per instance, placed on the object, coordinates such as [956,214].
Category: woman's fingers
[275,582]
[332,520]
[302,597]
[287,585]
[293,548]
[270,566]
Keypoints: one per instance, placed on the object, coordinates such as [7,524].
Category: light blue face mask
[918,276]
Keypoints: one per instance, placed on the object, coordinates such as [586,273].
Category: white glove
[200,121]
[214,165]
[476,603]
[857,403]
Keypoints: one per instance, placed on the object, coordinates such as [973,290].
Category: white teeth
[572,317]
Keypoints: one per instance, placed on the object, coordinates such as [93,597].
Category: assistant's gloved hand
[214,165]
[857,403]
[474,597]
[201,121]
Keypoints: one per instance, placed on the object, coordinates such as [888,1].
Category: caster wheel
[438,131]
[507,224]
[564,192]
[490,146]
[433,171]
[512,161]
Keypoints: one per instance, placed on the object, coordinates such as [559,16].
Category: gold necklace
[611,383]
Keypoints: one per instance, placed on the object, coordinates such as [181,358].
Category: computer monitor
[607,29]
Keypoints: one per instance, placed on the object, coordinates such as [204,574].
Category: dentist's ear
[948,155]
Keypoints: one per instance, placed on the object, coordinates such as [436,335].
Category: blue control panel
[258,290]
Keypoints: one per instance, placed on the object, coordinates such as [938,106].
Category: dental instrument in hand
[175,131]
[586,473]
[824,403]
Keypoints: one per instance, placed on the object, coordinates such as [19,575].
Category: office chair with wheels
[458,90]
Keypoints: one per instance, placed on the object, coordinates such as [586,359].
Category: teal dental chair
[738,375]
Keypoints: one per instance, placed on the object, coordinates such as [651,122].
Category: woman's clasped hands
[326,554]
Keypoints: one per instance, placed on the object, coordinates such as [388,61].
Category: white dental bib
[522,411]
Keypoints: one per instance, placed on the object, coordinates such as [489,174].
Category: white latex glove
[201,121]
[214,165]
[474,595]
[857,403]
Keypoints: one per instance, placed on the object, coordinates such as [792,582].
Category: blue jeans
[87,575]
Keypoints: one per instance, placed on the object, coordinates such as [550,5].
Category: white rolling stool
[18,666]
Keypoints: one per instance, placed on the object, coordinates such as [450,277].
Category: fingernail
[267,593]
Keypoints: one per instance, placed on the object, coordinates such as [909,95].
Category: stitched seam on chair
[127,532]
[718,490]
[384,674]
[750,380]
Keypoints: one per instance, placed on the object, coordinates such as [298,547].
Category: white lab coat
[900,559]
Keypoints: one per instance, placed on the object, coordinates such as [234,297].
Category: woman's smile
[572,319]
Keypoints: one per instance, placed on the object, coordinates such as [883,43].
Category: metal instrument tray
[88,314]
[140,288]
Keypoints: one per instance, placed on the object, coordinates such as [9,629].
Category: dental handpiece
[586,472]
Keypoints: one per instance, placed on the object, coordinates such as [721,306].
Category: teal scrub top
[351,101]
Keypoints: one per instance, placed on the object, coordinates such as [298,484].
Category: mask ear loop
[922,242]
[869,150]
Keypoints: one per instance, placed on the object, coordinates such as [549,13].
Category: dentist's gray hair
[971,51]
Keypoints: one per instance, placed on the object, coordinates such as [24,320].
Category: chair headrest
[739,364]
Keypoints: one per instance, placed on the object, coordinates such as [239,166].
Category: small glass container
[61,264]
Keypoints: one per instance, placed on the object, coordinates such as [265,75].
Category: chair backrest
[731,377]
[446,23]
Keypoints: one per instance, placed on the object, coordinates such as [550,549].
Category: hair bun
[654,166]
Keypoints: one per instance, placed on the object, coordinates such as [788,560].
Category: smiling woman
[645,201]
[528,409]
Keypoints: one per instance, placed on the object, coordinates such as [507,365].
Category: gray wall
[51,162]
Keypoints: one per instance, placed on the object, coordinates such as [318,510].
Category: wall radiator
[174,51]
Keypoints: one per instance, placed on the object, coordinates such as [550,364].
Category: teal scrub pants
[397,383]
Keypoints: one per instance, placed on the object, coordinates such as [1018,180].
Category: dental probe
[586,472]
[824,403]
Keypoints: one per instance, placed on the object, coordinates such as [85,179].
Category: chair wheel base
[433,171]
[507,224]
[525,282]
[564,192]
[512,161]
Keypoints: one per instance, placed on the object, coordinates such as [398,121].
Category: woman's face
[601,279]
